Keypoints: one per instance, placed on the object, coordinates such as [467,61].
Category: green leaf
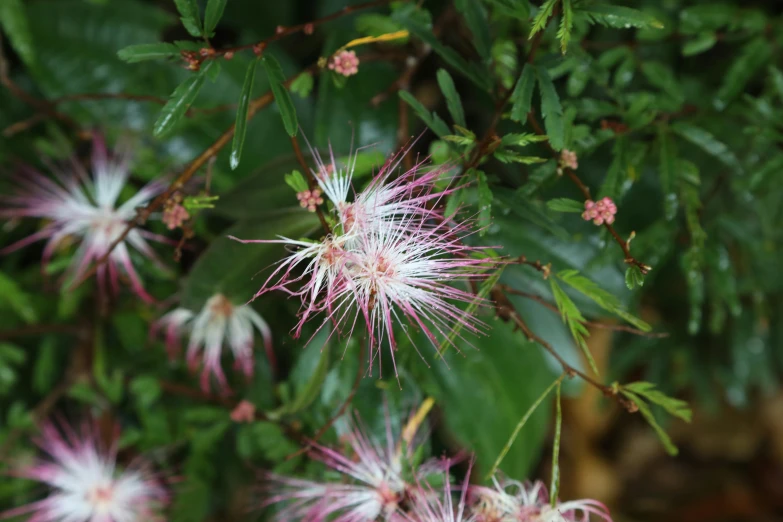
[47,366]
[309,374]
[566,25]
[661,75]
[228,267]
[296,181]
[565,205]
[573,318]
[675,407]
[153,51]
[751,59]
[644,409]
[709,144]
[554,485]
[13,297]
[667,173]
[452,97]
[431,120]
[190,16]
[523,93]
[544,12]
[620,17]
[283,98]
[240,127]
[13,20]
[702,42]
[634,277]
[213,14]
[179,102]
[551,110]
[303,85]
[484,202]
[602,298]
[476,19]
[470,70]
[776,78]
[513,372]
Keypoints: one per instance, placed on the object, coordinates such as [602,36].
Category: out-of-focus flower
[429,505]
[373,486]
[514,501]
[345,63]
[174,215]
[568,159]
[82,206]
[245,411]
[219,322]
[391,256]
[600,212]
[85,484]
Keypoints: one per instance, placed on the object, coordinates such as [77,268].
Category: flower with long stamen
[429,505]
[86,207]
[219,322]
[85,483]
[373,486]
[514,501]
[392,259]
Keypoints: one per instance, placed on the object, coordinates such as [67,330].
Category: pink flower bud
[245,411]
[345,63]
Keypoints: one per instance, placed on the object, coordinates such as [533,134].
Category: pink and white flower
[219,322]
[373,486]
[514,501]
[392,258]
[85,483]
[429,505]
[77,205]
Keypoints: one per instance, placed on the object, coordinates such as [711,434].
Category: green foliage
[240,127]
[284,103]
[180,101]
[672,110]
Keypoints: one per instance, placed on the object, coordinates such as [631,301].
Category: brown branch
[311,181]
[506,311]
[41,329]
[196,59]
[596,324]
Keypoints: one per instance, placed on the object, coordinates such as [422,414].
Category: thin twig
[196,59]
[595,324]
[506,311]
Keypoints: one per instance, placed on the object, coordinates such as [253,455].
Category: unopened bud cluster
[310,199]
[345,63]
[600,212]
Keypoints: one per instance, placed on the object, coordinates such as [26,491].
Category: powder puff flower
[429,505]
[373,486]
[345,63]
[514,501]
[219,321]
[85,483]
[600,212]
[84,207]
[391,257]
[568,159]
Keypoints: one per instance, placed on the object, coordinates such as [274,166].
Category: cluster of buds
[568,159]
[310,199]
[192,59]
[600,212]
[344,62]
[174,214]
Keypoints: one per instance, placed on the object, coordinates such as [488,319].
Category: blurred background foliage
[674,110]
